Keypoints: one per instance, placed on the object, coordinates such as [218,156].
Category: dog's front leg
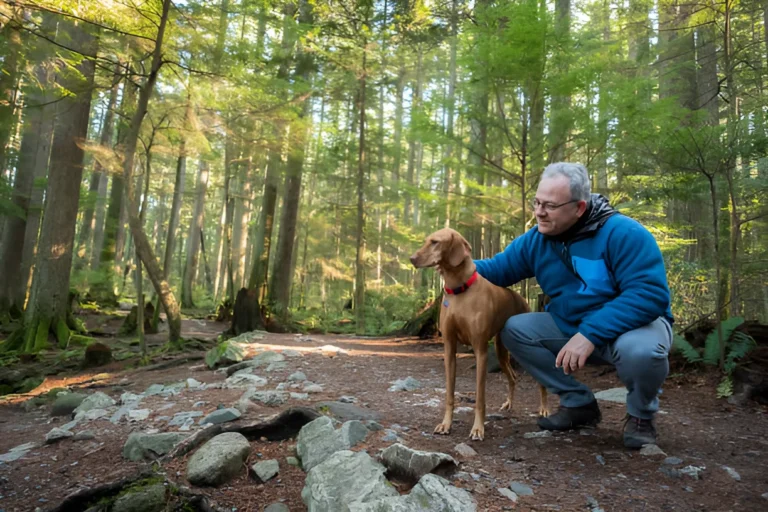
[478,429]
[449,355]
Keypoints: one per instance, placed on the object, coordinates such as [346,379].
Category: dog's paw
[506,406]
[443,429]
[477,433]
[543,412]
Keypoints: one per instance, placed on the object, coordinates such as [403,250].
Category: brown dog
[473,311]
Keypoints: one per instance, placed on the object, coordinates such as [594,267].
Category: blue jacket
[605,276]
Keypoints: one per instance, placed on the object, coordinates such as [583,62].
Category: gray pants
[640,358]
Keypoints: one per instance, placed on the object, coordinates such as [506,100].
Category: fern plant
[737,345]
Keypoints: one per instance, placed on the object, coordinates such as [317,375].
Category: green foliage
[681,345]
[223,353]
[711,354]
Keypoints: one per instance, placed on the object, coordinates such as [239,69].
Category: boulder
[219,460]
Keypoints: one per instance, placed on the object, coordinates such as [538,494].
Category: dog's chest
[459,319]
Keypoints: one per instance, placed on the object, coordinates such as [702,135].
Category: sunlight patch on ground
[57,381]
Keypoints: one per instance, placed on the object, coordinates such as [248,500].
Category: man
[610,302]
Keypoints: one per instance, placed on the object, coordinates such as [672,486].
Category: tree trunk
[360,231]
[451,106]
[87,225]
[413,136]
[193,239]
[398,136]
[19,236]
[282,275]
[560,124]
[12,63]
[258,278]
[49,304]
[143,248]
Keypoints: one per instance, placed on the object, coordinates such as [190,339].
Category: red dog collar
[462,288]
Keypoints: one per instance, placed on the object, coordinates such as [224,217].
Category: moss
[39,338]
[30,383]
[79,339]
[14,341]
[62,333]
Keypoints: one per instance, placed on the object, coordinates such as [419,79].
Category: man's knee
[640,351]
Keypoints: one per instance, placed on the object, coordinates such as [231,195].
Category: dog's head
[444,248]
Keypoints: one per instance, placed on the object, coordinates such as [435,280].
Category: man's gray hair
[577,175]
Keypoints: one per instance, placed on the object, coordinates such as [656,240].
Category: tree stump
[97,354]
[246,315]
[425,324]
[130,322]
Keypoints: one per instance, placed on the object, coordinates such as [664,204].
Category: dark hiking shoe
[639,432]
[567,418]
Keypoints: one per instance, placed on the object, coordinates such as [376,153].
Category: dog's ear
[458,250]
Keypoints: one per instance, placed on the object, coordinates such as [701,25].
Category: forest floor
[582,470]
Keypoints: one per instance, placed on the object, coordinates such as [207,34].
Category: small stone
[270,398]
[199,404]
[91,415]
[348,400]
[732,473]
[536,435]
[85,435]
[221,416]
[464,450]
[693,471]
[97,400]
[671,472]
[300,396]
[141,446]
[373,426]
[618,395]
[652,450]
[130,398]
[193,383]
[292,461]
[600,460]
[521,489]
[57,434]
[313,388]
[407,384]
[291,353]
[390,436]
[297,376]
[154,389]
[244,380]
[181,418]
[66,403]
[764,495]
[508,494]
[277,507]
[495,416]
[266,469]
[673,461]
[278,365]
[138,414]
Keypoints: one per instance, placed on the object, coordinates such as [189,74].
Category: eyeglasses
[550,207]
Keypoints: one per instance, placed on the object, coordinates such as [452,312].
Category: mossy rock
[30,383]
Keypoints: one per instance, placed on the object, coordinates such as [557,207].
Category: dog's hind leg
[506,367]
[543,407]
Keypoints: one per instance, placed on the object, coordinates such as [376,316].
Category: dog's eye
[434,242]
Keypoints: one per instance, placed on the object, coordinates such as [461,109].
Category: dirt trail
[572,471]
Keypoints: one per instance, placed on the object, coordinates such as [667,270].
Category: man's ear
[458,250]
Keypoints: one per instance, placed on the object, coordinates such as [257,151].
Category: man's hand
[573,356]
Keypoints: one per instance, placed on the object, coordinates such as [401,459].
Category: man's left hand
[573,356]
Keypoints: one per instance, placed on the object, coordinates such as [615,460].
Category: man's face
[556,211]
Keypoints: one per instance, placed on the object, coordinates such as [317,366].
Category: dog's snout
[413,260]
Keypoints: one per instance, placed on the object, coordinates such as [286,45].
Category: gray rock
[537,435]
[299,396]
[266,358]
[347,399]
[693,471]
[140,446]
[521,489]
[154,389]
[147,499]
[98,400]
[618,395]
[353,432]
[291,353]
[266,469]
[236,368]
[193,383]
[600,459]
[270,398]
[390,436]
[65,404]
[123,411]
[593,505]
[57,434]
[670,472]
[313,388]
[138,414]
[221,416]
[277,507]
[181,418]
[317,441]
[344,412]
[219,460]
[17,452]
[464,450]
[764,495]
[276,366]
[732,473]
[507,494]
[431,494]
[407,384]
[345,480]
[292,461]
[91,415]
[85,435]
[128,398]
[673,461]
[652,450]
[297,377]
[413,464]
[373,426]
[244,380]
